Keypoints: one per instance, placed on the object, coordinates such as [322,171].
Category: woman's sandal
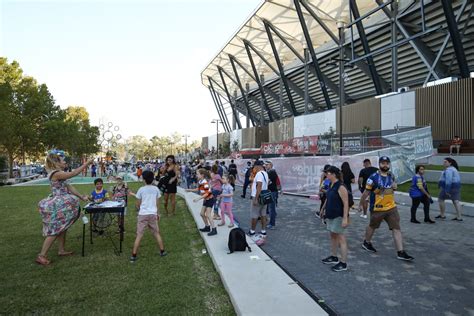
[65,254]
[42,260]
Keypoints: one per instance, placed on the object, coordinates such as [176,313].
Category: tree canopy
[31,122]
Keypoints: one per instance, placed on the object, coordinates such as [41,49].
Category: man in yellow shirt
[381,186]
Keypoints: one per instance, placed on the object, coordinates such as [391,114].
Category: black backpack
[237,241]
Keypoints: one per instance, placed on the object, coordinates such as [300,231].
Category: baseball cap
[259,163]
[384,158]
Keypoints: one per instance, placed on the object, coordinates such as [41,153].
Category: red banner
[298,145]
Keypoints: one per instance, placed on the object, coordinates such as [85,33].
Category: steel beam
[361,64]
[446,40]
[365,44]
[266,89]
[242,92]
[217,108]
[455,38]
[219,103]
[293,86]
[234,111]
[309,43]
[421,49]
[281,70]
[256,77]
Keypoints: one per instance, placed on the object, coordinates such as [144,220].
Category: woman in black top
[347,176]
[171,173]
[336,212]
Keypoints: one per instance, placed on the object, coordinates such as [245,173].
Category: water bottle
[85,219]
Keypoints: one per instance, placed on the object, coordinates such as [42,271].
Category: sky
[135,64]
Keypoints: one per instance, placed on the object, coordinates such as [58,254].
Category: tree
[31,122]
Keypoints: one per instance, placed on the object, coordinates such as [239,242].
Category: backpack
[237,241]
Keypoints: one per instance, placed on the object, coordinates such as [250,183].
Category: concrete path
[439,282]
[255,283]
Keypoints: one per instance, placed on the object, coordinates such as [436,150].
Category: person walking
[381,186]
[233,169]
[419,194]
[364,175]
[450,188]
[247,172]
[273,186]
[348,177]
[336,213]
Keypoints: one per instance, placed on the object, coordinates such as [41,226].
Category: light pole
[216,121]
[340,26]
[186,145]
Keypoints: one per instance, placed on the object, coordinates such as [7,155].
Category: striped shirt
[204,189]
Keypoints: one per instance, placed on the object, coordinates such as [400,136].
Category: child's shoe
[133,258]
[230,225]
[205,229]
[163,253]
[221,224]
[213,232]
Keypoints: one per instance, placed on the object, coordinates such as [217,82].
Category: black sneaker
[133,259]
[429,221]
[163,253]
[402,255]
[317,215]
[330,260]
[341,266]
[440,217]
[205,229]
[250,233]
[263,233]
[415,221]
[368,246]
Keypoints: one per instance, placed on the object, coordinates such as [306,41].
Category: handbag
[266,196]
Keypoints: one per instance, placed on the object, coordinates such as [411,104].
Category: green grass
[467,190]
[441,168]
[184,282]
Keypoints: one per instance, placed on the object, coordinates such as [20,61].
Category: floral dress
[59,210]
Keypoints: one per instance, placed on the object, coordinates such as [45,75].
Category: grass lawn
[441,168]
[184,282]
[467,190]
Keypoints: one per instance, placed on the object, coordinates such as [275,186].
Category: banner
[297,145]
[302,174]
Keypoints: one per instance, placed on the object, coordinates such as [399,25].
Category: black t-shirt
[272,184]
[366,173]
[347,179]
[233,169]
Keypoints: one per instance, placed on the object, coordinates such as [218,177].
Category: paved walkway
[439,282]
[256,285]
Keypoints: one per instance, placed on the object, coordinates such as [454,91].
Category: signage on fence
[297,145]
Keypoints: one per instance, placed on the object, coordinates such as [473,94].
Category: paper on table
[110,204]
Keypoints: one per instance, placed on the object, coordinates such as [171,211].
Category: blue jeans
[271,208]
[215,193]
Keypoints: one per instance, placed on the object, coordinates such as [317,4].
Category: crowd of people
[215,185]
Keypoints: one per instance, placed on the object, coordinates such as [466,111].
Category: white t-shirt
[261,176]
[148,196]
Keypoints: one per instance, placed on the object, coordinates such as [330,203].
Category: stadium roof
[279,22]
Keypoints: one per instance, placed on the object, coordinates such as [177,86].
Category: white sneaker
[363,216]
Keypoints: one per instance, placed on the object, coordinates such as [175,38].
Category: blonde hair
[52,162]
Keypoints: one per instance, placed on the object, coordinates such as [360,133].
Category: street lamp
[216,121]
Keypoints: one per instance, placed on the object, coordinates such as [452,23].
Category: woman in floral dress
[61,209]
